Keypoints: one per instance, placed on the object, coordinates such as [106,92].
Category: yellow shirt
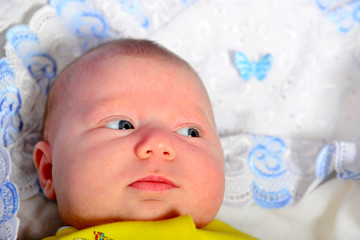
[177,228]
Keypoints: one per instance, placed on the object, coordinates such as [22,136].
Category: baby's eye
[189,132]
[120,125]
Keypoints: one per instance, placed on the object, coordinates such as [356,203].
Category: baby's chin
[200,219]
[83,223]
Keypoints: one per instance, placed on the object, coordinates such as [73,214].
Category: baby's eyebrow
[100,110]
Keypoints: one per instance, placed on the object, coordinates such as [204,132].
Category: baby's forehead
[90,71]
[100,64]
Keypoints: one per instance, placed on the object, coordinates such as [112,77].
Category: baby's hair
[124,47]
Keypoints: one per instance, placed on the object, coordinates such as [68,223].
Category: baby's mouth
[153,184]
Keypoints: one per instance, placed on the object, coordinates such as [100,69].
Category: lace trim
[11,120]
[274,171]
[9,203]
[344,14]
[12,10]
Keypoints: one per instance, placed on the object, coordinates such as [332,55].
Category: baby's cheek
[214,177]
[209,179]
[74,189]
[214,168]
[208,168]
[208,195]
[215,183]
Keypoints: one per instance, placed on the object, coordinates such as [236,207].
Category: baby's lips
[153,183]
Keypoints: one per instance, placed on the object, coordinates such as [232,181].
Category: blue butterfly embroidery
[248,69]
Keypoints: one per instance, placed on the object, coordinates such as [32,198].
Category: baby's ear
[43,163]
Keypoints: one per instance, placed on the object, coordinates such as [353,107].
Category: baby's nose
[155,142]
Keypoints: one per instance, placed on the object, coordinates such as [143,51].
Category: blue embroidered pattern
[269,199]
[9,204]
[345,168]
[264,158]
[343,13]
[341,156]
[248,69]
[41,66]
[323,161]
[265,161]
[187,2]
[89,26]
[60,4]
[10,104]
[347,175]
[327,4]
[132,7]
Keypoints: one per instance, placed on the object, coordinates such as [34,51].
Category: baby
[129,136]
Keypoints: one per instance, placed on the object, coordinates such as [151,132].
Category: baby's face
[139,143]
